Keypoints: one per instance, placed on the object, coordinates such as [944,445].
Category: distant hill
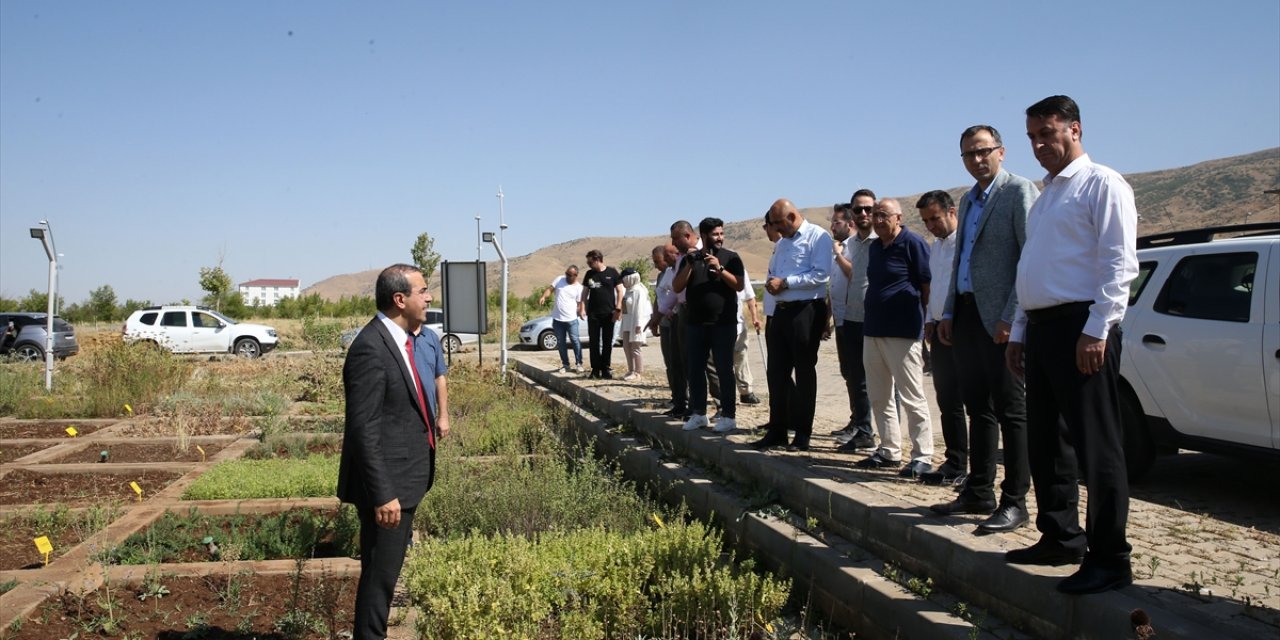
[1222,191]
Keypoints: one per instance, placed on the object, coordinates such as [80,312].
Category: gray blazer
[993,265]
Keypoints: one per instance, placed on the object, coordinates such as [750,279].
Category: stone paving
[1205,529]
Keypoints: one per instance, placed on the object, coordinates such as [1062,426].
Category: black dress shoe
[798,445]
[1094,579]
[749,398]
[607,374]
[964,505]
[1006,518]
[675,412]
[877,462]
[766,443]
[860,442]
[1045,552]
[915,469]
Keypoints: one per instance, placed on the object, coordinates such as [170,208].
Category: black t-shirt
[601,290]
[709,299]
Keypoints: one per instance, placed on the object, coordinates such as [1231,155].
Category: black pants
[997,408]
[1089,408]
[381,557]
[600,328]
[946,385]
[849,350]
[714,341]
[673,359]
[793,337]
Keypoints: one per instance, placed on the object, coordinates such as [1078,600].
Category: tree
[642,266]
[425,256]
[102,304]
[215,281]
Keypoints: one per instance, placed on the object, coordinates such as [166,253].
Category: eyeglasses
[979,154]
[858,210]
[883,215]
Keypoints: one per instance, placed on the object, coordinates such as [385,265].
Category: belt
[966,298]
[794,304]
[1036,316]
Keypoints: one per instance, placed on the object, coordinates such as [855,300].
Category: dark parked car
[26,341]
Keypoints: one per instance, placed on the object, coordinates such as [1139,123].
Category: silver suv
[1200,366]
[189,329]
[26,340]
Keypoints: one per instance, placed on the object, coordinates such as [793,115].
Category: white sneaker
[695,422]
[577,368]
[725,425]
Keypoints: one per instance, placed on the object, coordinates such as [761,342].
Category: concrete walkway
[1205,529]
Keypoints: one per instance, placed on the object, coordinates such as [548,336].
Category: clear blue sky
[309,139]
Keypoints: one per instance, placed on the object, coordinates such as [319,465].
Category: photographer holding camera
[711,278]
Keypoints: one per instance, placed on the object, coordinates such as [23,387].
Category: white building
[265,292]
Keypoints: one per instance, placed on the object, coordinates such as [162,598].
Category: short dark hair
[1062,106]
[972,131]
[392,280]
[682,226]
[595,254]
[709,224]
[863,192]
[572,267]
[938,197]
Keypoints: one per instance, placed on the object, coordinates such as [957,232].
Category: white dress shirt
[840,283]
[804,261]
[855,309]
[666,297]
[941,253]
[1081,246]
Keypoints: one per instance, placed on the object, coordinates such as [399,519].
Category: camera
[697,256]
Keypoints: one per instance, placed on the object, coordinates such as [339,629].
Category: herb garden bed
[47,429]
[10,452]
[122,452]
[240,606]
[198,537]
[25,486]
[65,529]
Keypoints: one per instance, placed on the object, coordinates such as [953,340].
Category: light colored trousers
[890,363]
[742,368]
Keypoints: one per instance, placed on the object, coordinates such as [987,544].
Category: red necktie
[417,383]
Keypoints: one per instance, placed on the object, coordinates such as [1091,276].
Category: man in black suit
[388,447]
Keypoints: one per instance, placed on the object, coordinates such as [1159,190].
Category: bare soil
[150,452]
[11,452]
[58,429]
[240,607]
[18,548]
[24,486]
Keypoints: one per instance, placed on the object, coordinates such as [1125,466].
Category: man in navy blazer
[388,446]
[977,317]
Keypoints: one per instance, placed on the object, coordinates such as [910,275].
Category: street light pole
[45,236]
[502,358]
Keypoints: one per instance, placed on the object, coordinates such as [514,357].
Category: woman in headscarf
[636,309]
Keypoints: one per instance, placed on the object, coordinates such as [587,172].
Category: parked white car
[1200,363]
[452,341]
[538,333]
[190,329]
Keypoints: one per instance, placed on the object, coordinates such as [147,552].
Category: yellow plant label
[128,409]
[136,489]
[71,431]
[201,450]
[43,545]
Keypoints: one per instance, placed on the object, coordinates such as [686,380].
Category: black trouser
[849,350]
[673,359]
[381,557]
[793,336]
[946,385]
[997,408]
[1089,408]
[600,328]
[714,341]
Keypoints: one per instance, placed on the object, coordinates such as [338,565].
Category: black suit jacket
[385,451]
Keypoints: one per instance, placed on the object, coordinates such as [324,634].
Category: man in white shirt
[1073,287]
[938,212]
[798,276]
[748,318]
[564,315]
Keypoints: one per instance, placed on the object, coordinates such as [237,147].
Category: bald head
[887,220]
[659,257]
[785,218]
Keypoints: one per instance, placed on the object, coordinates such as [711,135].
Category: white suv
[1200,365]
[188,329]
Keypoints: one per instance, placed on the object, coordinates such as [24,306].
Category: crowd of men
[1018,296]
